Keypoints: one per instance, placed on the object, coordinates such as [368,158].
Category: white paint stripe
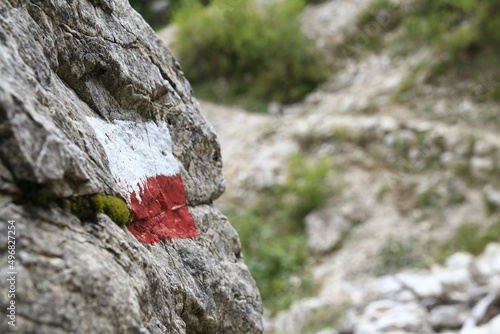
[136,151]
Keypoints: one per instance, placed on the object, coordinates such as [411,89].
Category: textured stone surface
[60,62]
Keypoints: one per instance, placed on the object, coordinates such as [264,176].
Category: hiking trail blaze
[141,162]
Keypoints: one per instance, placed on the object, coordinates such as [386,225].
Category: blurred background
[361,150]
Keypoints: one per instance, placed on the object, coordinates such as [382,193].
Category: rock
[452,280]
[459,260]
[387,287]
[489,328]
[424,286]
[488,263]
[482,148]
[388,124]
[61,63]
[387,316]
[479,166]
[492,195]
[420,126]
[325,229]
[302,316]
[456,275]
[449,316]
[270,163]
[275,108]
[447,159]
[328,331]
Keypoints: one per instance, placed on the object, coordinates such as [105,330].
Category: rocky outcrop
[61,64]
[459,297]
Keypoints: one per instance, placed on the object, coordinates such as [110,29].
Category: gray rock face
[60,62]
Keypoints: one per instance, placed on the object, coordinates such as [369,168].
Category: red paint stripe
[163,211]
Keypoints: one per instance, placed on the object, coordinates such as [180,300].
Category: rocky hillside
[413,179]
[95,112]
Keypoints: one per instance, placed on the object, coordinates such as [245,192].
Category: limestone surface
[61,62]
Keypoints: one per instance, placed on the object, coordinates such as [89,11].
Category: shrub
[250,54]
[456,26]
[272,234]
[464,35]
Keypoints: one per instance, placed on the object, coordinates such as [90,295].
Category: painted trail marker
[141,162]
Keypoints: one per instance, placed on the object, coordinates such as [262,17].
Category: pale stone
[423,285]
[488,263]
[449,316]
[325,229]
[479,166]
[61,62]
[387,316]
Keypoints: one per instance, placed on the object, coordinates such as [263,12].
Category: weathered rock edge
[61,61]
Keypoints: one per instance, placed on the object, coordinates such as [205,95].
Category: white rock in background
[328,331]
[270,162]
[388,124]
[488,263]
[423,285]
[492,327]
[420,126]
[482,148]
[452,140]
[447,159]
[453,279]
[449,316]
[459,260]
[492,195]
[293,320]
[481,165]
[325,229]
[387,316]
[387,287]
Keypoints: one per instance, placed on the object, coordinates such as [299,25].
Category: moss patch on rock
[87,207]
[116,209]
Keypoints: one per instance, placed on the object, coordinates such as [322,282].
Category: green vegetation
[456,27]
[159,17]
[323,317]
[116,209]
[87,208]
[431,198]
[249,54]
[469,238]
[272,233]
[145,8]
[464,35]
[490,206]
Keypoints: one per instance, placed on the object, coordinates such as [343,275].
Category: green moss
[87,207]
[116,209]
